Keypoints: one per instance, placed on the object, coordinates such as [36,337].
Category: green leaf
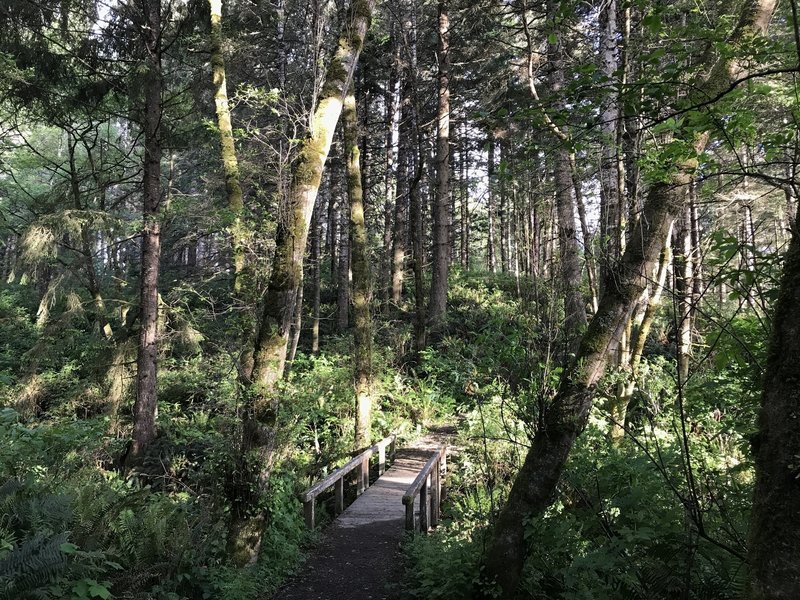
[99,590]
[68,548]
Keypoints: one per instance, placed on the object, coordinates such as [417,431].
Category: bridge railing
[337,478]
[428,486]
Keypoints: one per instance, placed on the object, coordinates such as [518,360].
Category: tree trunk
[343,267]
[362,279]
[566,416]
[247,522]
[297,328]
[392,101]
[612,192]
[574,307]
[437,305]
[463,180]
[292,234]
[145,409]
[503,208]
[230,164]
[491,235]
[400,230]
[684,290]
[316,278]
[773,551]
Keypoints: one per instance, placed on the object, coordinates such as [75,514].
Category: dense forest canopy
[242,240]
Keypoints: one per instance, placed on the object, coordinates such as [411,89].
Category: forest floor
[359,555]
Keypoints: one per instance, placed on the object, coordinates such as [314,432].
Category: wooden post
[410,516]
[381,460]
[339,508]
[423,507]
[392,447]
[443,474]
[309,510]
[436,488]
[365,471]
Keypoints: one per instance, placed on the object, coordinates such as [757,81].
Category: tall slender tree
[145,409]
[437,305]
[362,277]
[230,162]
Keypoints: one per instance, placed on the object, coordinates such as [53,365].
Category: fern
[32,565]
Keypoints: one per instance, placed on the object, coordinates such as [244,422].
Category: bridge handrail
[429,479]
[337,476]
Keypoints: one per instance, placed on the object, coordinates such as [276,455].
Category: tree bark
[247,522]
[773,551]
[612,180]
[316,278]
[362,279]
[230,163]
[437,305]
[343,267]
[463,180]
[565,418]
[491,235]
[392,101]
[145,409]
[292,234]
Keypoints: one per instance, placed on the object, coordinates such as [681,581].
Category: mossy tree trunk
[362,278]
[292,234]
[230,163]
[145,408]
[342,273]
[534,487]
[269,360]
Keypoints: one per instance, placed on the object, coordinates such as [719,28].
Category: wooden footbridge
[357,556]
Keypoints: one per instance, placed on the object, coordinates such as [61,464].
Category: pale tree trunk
[773,549]
[362,279]
[230,163]
[145,409]
[566,416]
[612,179]
[247,522]
[400,228]
[392,101]
[684,290]
[464,187]
[697,251]
[491,234]
[437,305]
